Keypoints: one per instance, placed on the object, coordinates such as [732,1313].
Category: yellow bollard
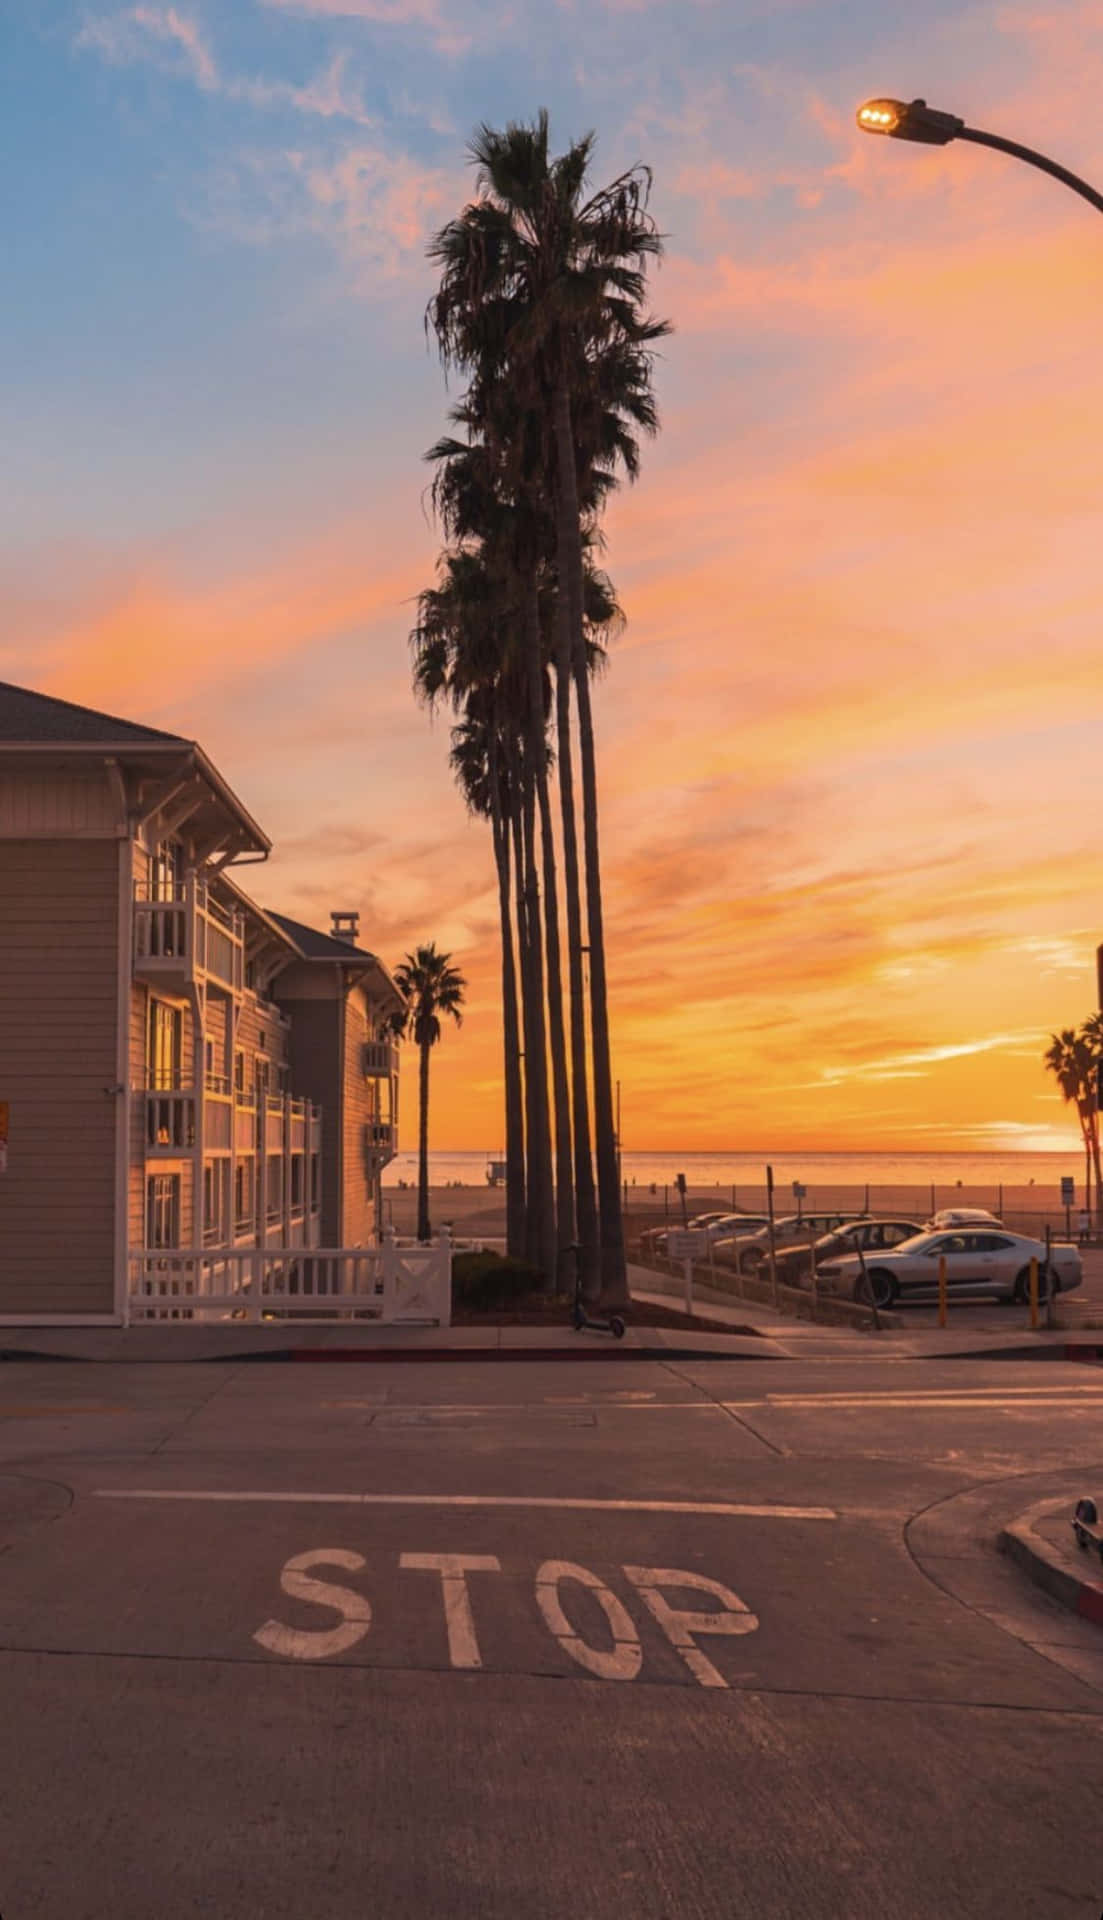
[942,1289]
[1034,1293]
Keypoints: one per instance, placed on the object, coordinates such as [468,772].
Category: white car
[980,1263]
[716,1225]
[961,1217]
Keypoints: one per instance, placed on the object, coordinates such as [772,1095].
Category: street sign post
[1068,1195]
[686,1246]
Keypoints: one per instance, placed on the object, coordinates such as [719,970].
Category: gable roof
[38,717]
[323,946]
[317,946]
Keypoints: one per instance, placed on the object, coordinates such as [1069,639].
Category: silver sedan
[981,1263]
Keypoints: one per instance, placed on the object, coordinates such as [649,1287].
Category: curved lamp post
[915,120]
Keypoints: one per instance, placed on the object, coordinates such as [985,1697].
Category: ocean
[990,1169]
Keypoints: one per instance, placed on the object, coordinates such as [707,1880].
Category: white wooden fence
[390,1283]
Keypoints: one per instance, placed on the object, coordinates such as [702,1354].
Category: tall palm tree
[431,986]
[1071,1058]
[542,293]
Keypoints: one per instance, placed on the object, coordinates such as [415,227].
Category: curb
[432,1355]
[1024,1545]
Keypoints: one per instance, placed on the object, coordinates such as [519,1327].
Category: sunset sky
[850,740]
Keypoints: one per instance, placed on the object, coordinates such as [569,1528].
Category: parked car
[747,1250]
[961,1217]
[794,1264]
[979,1264]
[716,1225]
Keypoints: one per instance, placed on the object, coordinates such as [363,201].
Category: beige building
[179,1067]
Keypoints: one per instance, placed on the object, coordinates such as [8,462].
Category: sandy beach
[471,1210]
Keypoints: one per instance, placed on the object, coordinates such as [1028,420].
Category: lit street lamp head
[909,120]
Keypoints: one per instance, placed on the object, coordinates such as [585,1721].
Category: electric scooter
[612,1324]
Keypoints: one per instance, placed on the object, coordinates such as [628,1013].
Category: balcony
[380,1059]
[380,1141]
[170,1122]
[187,938]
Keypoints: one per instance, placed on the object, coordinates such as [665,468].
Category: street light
[915,120]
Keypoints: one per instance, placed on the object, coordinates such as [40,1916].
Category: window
[239,1072]
[163,1210]
[315,1183]
[273,1186]
[296,1182]
[243,1195]
[166,871]
[166,1046]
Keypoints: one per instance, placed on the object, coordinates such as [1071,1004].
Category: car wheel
[875,1285]
[750,1261]
[1022,1286]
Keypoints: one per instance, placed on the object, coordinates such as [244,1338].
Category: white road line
[705,1507]
[936,1403]
[576,1404]
[874,1394]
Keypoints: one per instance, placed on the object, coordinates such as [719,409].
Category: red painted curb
[1089,1603]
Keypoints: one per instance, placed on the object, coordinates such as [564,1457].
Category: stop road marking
[622,1659]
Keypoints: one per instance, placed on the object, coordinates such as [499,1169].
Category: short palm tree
[431,986]
[1072,1059]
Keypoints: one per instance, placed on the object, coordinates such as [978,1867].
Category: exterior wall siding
[55,805]
[359,1106]
[316,1075]
[58,925]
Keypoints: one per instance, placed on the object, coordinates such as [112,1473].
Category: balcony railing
[188,936]
[170,1122]
[380,1059]
[379,1140]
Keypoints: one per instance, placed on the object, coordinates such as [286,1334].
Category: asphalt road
[715,1639]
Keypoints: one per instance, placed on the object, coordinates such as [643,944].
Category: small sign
[799,1192]
[1068,1190]
[685,1243]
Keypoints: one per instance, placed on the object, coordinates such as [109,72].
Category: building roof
[38,717]
[317,946]
[35,724]
[323,946]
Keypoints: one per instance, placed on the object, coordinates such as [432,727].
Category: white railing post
[443,1277]
[391,1260]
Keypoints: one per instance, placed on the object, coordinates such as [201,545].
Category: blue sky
[855,709]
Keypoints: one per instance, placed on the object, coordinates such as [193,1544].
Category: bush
[484,1281]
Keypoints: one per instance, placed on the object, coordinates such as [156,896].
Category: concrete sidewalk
[1042,1541]
[758,1332]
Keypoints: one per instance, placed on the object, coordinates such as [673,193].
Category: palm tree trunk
[614,1279]
[564,1188]
[540,1185]
[585,1194]
[423,1145]
[515,1134]
[524,952]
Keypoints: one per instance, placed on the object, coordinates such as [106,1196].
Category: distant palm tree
[1072,1059]
[430,985]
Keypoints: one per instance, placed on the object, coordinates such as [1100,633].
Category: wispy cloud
[159,35]
[171,42]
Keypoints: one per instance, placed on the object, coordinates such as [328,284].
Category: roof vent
[345,926]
